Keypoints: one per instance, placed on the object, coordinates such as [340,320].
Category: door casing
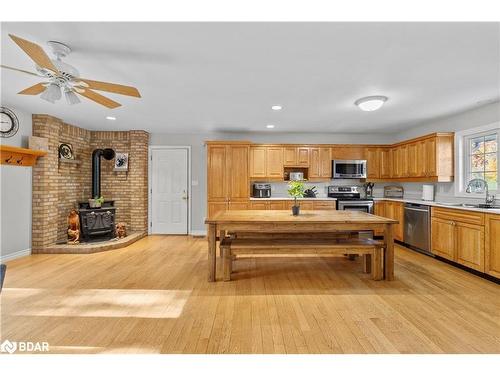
[150,187]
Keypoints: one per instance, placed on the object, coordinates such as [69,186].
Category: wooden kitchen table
[282,221]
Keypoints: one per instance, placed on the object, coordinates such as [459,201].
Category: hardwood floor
[153,297]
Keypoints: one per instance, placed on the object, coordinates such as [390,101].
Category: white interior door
[169,191]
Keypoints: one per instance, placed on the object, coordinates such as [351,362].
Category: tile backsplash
[443,191]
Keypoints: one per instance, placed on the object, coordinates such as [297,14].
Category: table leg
[389,252]
[212,251]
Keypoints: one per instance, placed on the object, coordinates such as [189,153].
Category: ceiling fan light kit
[51,93]
[63,77]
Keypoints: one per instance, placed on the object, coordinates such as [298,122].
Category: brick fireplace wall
[58,187]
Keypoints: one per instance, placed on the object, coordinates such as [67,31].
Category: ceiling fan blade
[34,90]
[21,70]
[112,87]
[98,98]
[35,52]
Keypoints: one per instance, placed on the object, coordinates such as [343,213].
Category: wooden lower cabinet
[259,205]
[215,207]
[392,210]
[492,245]
[277,205]
[287,204]
[443,238]
[470,245]
[459,236]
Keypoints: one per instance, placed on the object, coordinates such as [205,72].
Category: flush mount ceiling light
[371,103]
[276,108]
[270,126]
[110,118]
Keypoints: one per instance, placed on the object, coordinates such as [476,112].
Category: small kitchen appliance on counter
[369,189]
[296,176]
[261,190]
[311,192]
[427,192]
[393,191]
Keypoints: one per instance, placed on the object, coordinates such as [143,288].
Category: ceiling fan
[62,77]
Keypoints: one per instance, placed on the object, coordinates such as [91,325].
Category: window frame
[462,158]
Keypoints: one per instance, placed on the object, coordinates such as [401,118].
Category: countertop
[439,204]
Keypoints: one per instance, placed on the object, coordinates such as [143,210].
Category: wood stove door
[169,191]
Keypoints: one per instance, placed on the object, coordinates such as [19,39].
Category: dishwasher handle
[416,209]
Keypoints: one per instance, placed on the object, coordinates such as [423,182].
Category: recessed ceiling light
[270,126]
[276,108]
[110,118]
[371,103]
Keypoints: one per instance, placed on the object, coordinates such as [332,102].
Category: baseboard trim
[17,254]
[198,233]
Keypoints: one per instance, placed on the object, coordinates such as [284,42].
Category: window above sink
[476,156]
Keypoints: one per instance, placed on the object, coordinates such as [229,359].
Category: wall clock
[9,123]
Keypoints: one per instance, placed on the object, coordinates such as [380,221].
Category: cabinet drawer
[462,216]
[325,205]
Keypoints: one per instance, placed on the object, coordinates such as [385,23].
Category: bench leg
[226,263]
[367,263]
[377,271]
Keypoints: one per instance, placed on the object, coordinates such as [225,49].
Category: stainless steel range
[349,198]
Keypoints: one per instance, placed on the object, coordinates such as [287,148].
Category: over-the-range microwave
[349,168]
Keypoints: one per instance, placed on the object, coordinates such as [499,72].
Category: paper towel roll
[428,192]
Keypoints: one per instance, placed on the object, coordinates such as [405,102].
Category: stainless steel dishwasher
[417,227]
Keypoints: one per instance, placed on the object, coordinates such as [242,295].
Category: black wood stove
[98,223]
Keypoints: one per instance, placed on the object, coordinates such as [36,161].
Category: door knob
[184,195]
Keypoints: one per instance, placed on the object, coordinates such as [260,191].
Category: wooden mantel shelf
[18,156]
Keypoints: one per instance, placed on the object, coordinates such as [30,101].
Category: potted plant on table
[296,190]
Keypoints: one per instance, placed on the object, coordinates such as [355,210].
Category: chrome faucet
[478,185]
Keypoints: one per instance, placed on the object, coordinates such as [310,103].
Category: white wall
[15,204]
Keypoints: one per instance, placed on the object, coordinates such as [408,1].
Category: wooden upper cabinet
[431,161]
[237,172]
[325,159]
[385,163]
[373,162]
[266,161]
[492,245]
[274,162]
[303,156]
[403,161]
[290,156]
[296,156]
[421,159]
[320,162]
[258,161]
[216,172]
[412,159]
[396,171]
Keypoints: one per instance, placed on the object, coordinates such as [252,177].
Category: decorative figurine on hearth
[73,228]
[121,230]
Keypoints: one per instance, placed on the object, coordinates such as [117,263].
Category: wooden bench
[371,249]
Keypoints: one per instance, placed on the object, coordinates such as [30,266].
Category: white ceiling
[201,77]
